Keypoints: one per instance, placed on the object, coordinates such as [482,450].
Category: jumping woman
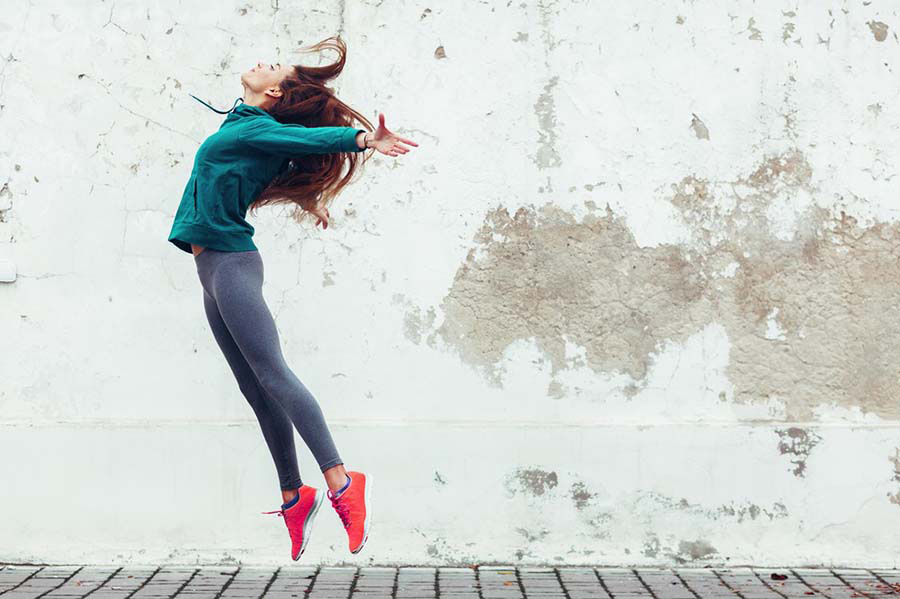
[285,143]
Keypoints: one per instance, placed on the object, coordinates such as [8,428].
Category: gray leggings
[245,331]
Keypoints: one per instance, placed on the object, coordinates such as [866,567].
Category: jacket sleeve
[289,139]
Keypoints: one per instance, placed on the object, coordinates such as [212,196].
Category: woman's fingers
[322,216]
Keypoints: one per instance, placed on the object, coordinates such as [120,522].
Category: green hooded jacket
[234,165]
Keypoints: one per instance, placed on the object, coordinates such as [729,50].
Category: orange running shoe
[299,517]
[354,509]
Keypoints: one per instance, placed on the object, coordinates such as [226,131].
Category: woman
[286,143]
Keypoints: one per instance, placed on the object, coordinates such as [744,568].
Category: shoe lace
[295,527]
[342,509]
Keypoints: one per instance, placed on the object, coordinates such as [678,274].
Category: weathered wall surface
[633,300]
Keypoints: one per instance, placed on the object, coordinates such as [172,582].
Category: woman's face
[265,76]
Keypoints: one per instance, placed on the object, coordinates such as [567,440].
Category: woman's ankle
[287,495]
[335,477]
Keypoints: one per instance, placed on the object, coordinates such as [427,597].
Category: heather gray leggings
[245,331]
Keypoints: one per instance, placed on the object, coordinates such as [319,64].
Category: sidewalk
[484,582]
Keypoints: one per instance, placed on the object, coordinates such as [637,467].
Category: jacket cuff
[348,143]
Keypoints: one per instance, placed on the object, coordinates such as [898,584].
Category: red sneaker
[299,518]
[354,509]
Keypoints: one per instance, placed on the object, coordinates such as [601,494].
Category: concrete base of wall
[460,494]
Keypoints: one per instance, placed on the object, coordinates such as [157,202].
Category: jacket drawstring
[219,111]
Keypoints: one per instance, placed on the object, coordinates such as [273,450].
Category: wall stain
[797,443]
[540,274]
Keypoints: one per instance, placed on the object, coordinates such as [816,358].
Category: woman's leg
[237,288]
[277,428]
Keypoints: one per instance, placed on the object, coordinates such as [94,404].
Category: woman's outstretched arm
[289,139]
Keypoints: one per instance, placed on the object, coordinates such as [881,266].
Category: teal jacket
[234,165]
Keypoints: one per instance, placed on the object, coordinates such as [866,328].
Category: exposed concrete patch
[879,30]
[543,274]
[895,459]
[812,311]
[699,127]
[688,551]
[414,321]
[694,550]
[580,495]
[5,201]
[532,481]
[438,548]
[787,30]
[547,155]
[755,34]
[531,535]
[741,512]
[556,390]
[797,443]
[651,546]
[599,525]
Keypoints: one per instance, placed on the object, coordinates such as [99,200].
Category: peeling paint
[699,127]
[651,546]
[797,443]
[755,34]
[5,200]
[531,481]
[832,285]
[895,460]
[580,495]
[739,512]
[532,535]
[695,550]
[879,30]
[547,155]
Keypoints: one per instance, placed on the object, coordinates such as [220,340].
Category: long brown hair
[306,100]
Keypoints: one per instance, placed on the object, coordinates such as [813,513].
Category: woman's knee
[252,392]
[272,379]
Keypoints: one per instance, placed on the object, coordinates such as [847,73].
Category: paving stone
[426,582]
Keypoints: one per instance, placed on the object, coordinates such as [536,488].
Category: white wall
[633,299]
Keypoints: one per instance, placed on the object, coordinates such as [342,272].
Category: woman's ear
[275,92]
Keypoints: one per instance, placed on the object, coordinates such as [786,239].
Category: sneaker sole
[308,522]
[368,519]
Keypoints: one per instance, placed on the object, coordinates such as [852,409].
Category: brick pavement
[482,582]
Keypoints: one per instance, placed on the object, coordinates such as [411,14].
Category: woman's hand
[323,215]
[386,142]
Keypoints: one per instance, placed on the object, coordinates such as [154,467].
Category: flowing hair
[310,179]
